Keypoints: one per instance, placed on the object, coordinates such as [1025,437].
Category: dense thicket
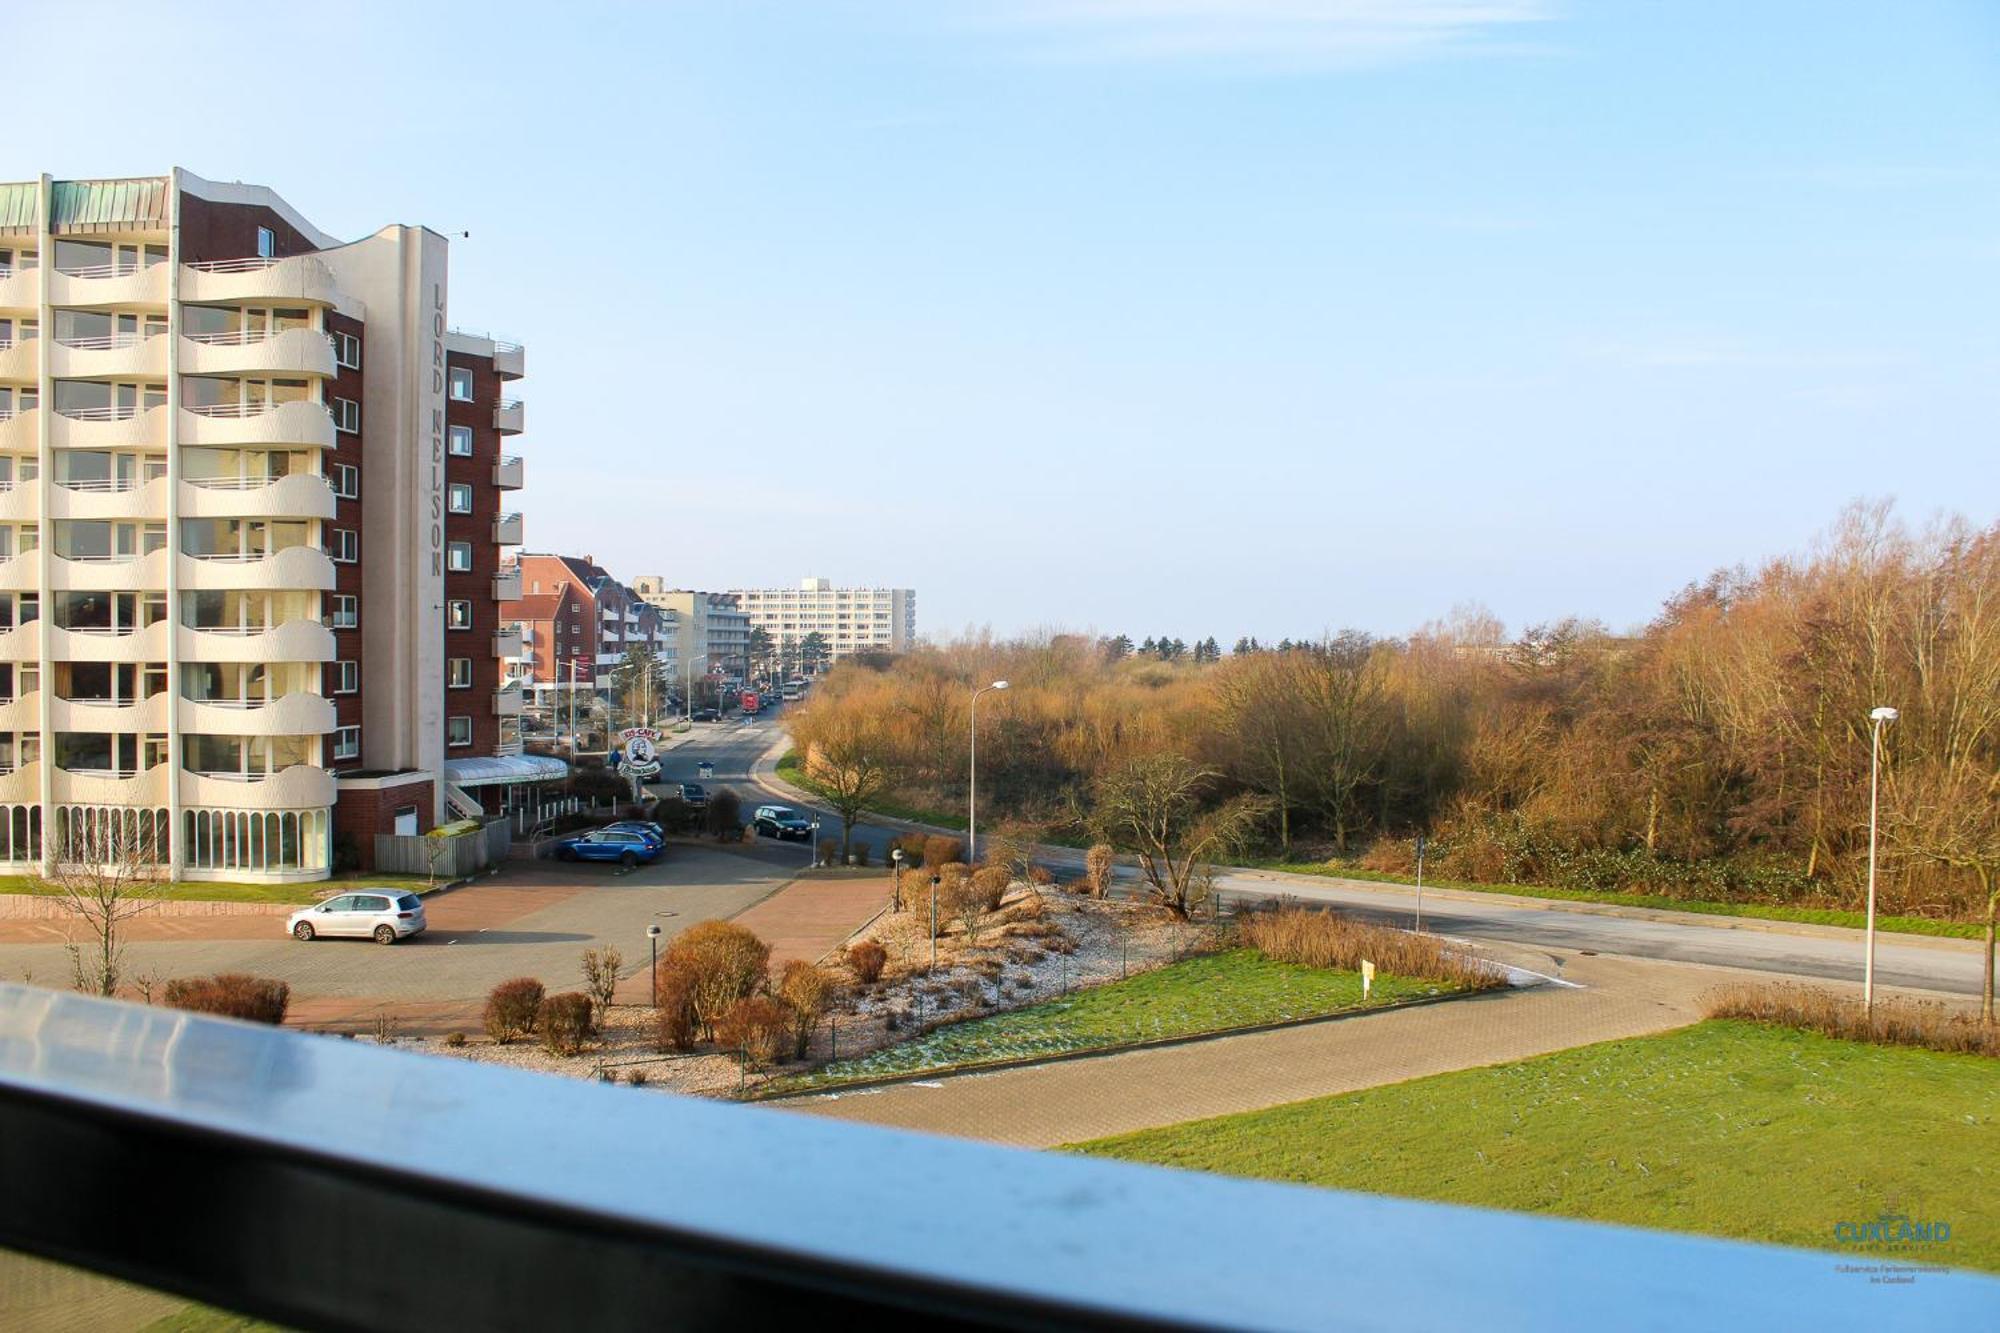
[1721,751]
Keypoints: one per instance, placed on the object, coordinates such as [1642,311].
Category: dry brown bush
[724,963]
[675,1016]
[807,991]
[991,884]
[511,1008]
[756,1026]
[1097,864]
[867,959]
[564,1022]
[1896,1022]
[940,850]
[232,995]
[1323,939]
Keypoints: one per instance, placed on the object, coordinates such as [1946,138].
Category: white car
[383,915]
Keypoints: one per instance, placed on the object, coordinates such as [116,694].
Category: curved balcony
[21,432]
[148,715]
[21,290]
[300,424]
[23,713]
[297,279]
[22,643]
[21,573]
[21,785]
[129,574]
[290,352]
[109,284]
[83,787]
[296,714]
[508,473]
[293,641]
[300,787]
[510,417]
[18,359]
[507,530]
[20,502]
[300,495]
[90,645]
[105,500]
[117,356]
[302,568]
[110,428]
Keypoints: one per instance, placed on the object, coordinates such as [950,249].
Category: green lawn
[206,891]
[1727,1128]
[1817,916]
[1206,994]
[207,1319]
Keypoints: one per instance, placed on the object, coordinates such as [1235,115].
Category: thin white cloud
[1318,34]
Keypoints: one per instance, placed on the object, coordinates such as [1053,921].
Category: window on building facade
[458,731]
[343,545]
[458,673]
[267,243]
[346,415]
[347,350]
[346,481]
[347,743]
[458,614]
[346,611]
[458,439]
[461,384]
[458,498]
[458,557]
[346,677]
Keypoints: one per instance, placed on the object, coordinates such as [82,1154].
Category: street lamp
[1878,716]
[935,881]
[896,860]
[812,845]
[972,785]
[653,939]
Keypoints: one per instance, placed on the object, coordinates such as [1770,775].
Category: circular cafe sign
[642,752]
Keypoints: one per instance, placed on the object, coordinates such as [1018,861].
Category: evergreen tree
[1117,648]
[1148,647]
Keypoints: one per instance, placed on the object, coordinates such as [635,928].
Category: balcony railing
[247,264]
[112,342]
[429,1175]
[113,412]
[238,411]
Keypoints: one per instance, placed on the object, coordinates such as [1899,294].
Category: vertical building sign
[437,431]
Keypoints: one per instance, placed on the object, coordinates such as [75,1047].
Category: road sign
[704,769]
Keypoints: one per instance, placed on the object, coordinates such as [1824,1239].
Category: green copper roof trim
[17,206]
[77,207]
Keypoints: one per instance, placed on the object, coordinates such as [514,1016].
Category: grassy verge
[1239,988]
[214,892]
[1816,916]
[1727,1128]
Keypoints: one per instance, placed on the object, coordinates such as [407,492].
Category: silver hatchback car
[383,915]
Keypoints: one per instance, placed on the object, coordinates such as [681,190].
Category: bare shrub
[724,963]
[867,959]
[940,850]
[232,995]
[756,1026]
[911,845]
[1896,1022]
[674,1015]
[511,1008]
[1324,939]
[564,1021]
[638,1078]
[600,979]
[455,1040]
[806,991]
[1097,864]
[991,884]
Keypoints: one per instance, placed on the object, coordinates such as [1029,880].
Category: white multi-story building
[250,533]
[851,620]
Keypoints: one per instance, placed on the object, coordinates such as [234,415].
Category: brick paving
[1047,1105]
[811,917]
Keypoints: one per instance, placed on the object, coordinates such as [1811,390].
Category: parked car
[694,794]
[642,826]
[781,821]
[383,915]
[707,715]
[625,847]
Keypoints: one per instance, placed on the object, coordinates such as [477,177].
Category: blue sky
[1194,316]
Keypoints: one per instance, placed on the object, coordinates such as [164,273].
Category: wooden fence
[443,858]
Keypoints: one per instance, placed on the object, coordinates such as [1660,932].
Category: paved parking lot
[535,919]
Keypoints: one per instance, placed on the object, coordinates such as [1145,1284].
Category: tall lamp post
[653,939]
[1878,717]
[972,784]
[896,860]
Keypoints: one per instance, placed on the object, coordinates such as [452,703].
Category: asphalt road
[1948,966]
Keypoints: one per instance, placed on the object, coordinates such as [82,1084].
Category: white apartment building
[209,409]
[851,620]
[712,632]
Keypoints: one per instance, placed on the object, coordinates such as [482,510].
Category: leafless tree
[1951,818]
[106,870]
[1153,806]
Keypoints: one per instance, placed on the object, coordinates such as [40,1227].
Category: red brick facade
[476,585]
[362,812]
[346,453]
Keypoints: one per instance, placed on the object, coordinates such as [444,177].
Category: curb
[1098,1052]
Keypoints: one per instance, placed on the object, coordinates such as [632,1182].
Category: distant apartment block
[852,620]
[251,532]
[575,623]
[712,631]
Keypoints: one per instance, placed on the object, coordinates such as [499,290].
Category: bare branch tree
[1152,806]
[107,869]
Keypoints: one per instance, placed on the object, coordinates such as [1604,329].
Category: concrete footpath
[1045,1105]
